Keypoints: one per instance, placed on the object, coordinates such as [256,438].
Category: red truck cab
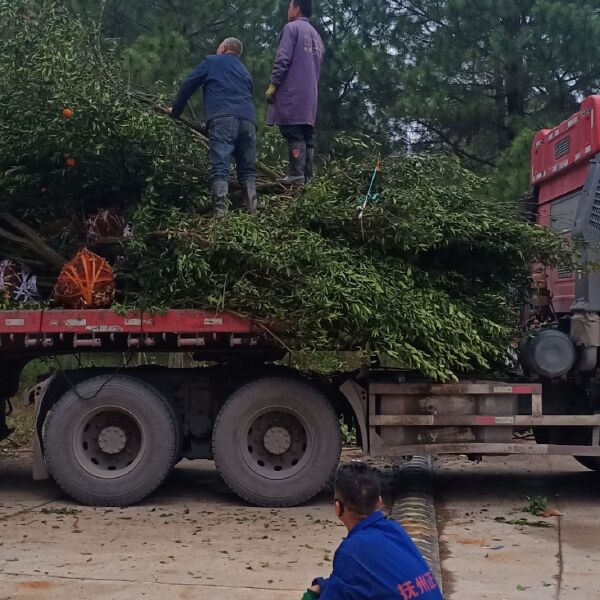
[561,164]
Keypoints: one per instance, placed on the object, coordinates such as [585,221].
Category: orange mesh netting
[85,282]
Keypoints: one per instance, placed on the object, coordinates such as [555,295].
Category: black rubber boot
[249,196]
[220,191]
[297,157]
[309,168]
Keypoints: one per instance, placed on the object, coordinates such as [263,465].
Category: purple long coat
[296,75]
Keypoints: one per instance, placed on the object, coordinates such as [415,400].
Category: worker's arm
[335,588]
[193,81]
[284,56]
[341,583]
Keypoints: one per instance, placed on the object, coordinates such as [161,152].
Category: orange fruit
[67,113]
[71,162]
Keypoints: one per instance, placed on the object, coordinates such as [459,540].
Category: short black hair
[358,487]
[305,6]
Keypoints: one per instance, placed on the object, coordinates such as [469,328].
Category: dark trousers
[232,137]
[299,133]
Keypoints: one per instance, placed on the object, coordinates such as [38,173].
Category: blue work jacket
[379,561]
[227,86]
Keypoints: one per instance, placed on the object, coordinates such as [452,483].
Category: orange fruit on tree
[67,113]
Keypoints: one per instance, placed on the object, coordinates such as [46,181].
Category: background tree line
[475,77]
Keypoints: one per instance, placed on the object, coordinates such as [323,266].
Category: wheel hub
[276,445]
[109,442]
[112,440]
[277,441]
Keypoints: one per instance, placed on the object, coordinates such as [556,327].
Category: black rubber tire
[591,462]
[156,419]
[323,447]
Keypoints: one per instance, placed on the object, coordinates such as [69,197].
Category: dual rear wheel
[276,442]
[111,441]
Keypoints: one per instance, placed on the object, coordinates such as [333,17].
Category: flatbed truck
[110,436]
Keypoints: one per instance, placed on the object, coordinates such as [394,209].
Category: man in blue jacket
[378,560]
[231,120]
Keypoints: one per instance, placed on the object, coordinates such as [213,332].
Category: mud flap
[35,396]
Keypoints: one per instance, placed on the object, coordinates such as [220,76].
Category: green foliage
[537,505]
[52,61]
[159,57]
[165,39]
[471,75]
[511,177]
[349,437]
[429,278]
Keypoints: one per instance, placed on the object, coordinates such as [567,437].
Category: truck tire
[277,442]
[111,441]
[591,462]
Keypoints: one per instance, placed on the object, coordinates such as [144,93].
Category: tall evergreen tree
[471,74]
[165,39]
[465,75]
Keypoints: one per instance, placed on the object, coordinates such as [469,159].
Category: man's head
[232,46]
[300,8]
[357,493]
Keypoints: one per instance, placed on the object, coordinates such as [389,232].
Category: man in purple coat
[293,93]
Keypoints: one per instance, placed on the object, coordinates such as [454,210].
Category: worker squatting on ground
[377,560]
[293,90]
[231,120]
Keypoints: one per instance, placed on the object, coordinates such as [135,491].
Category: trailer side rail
[30,333]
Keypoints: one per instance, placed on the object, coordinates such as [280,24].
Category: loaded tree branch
[29,239]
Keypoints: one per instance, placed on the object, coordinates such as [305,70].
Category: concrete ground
[195,539]
[192,539]
[486,558]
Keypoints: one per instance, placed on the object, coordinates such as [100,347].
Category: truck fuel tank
[549,353]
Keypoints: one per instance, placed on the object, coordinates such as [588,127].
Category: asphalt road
[485,557]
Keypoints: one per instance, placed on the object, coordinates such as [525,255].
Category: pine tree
[471,75]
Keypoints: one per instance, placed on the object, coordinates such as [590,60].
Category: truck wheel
[111,441]
[277,442]
[591,462]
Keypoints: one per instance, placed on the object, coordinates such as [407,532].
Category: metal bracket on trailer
[379,448]
[400,399]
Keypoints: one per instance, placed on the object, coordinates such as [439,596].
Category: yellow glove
[270,94]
